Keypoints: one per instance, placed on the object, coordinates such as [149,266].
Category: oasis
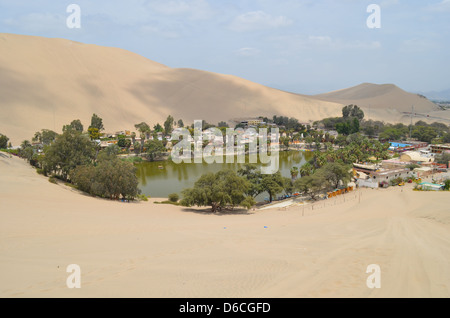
[208,146]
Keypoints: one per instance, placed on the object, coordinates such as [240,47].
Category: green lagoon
[159,179]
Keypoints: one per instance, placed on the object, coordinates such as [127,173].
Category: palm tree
[25,144]
[144,130]
[294,173]
[37,137]
[306,170]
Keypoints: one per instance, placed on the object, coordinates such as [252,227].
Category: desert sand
[149,250]
[46,83]
[58,80]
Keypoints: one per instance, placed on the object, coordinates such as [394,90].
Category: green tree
[288,186]
[218,190]
[424,133]
[144,132]
[168,125]
[154,149]
[94,133]
[352,111]
[447,184]
[158,128]
[306,170]
[222,124]
[45,136]
[446,138]
[272,184]
[294,172]
[252,173]
[96,122]
[124,142]
[335,172]
[311,185]
[180,123]
[26,150]
[173,197]
[109,152]
[111,178]
[3,141]
[69,150]
[75,125]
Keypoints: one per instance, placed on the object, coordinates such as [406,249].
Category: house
[252,122]
[400,146]
[440,148]
[379,177]
[423,172]
[427,186]
[415,157]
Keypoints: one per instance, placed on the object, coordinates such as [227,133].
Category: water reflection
[159,179]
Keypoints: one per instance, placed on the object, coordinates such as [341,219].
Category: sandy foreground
[150,250]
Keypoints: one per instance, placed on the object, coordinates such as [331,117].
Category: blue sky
[301,46]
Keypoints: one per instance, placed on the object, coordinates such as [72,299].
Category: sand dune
[46,83]
[387,102]
[149,250]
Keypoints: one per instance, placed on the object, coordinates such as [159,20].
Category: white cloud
[248,52]
[258,20]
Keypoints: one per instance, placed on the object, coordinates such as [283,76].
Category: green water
[173,178]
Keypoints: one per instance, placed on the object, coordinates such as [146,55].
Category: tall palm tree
[306,170]
[294,173]
[144,130]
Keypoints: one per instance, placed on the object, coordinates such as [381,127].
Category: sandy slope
[387,102]
[46,83]
[149,250]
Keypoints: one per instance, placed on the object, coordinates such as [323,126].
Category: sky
[307,47]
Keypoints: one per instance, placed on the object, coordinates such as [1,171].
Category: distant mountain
[387,102]
[438,95]
[384,96]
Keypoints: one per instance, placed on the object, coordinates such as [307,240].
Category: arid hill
[46,83]
[387,102]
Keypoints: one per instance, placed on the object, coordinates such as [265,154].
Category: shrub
[52,180]
[111,178]
[396,181]
[167,202]
[447,184]
[142,197]
[173,197]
